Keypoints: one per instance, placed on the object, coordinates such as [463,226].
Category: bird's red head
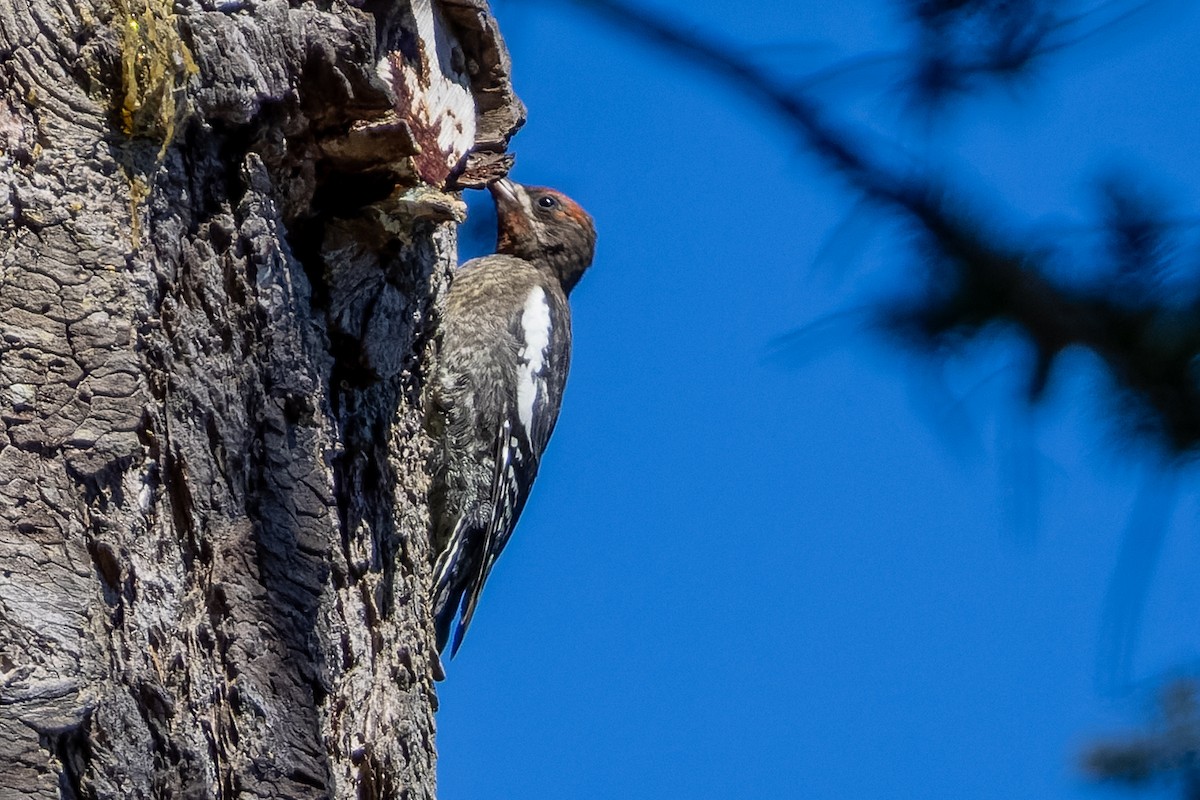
[545,227]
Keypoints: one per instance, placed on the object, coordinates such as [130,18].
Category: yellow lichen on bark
[155,67]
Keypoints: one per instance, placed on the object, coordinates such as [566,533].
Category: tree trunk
[223,228]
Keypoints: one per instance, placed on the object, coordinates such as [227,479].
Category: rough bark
[223,227]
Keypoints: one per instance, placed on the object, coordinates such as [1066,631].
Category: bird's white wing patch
[535,328]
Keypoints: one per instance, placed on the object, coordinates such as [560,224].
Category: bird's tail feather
[452,574]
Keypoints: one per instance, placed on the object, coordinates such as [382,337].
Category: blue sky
[747,577]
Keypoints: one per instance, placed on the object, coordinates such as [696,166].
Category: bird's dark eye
[546,201]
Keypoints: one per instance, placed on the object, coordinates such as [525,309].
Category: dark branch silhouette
[979,276]
[1166,751]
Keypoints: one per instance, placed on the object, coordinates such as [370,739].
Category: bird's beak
[504,191]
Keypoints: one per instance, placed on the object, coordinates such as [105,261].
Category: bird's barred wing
[515,469]
[523,433]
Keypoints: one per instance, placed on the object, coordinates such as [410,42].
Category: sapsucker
[503,349]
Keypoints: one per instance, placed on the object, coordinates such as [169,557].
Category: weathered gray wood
[223,226]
